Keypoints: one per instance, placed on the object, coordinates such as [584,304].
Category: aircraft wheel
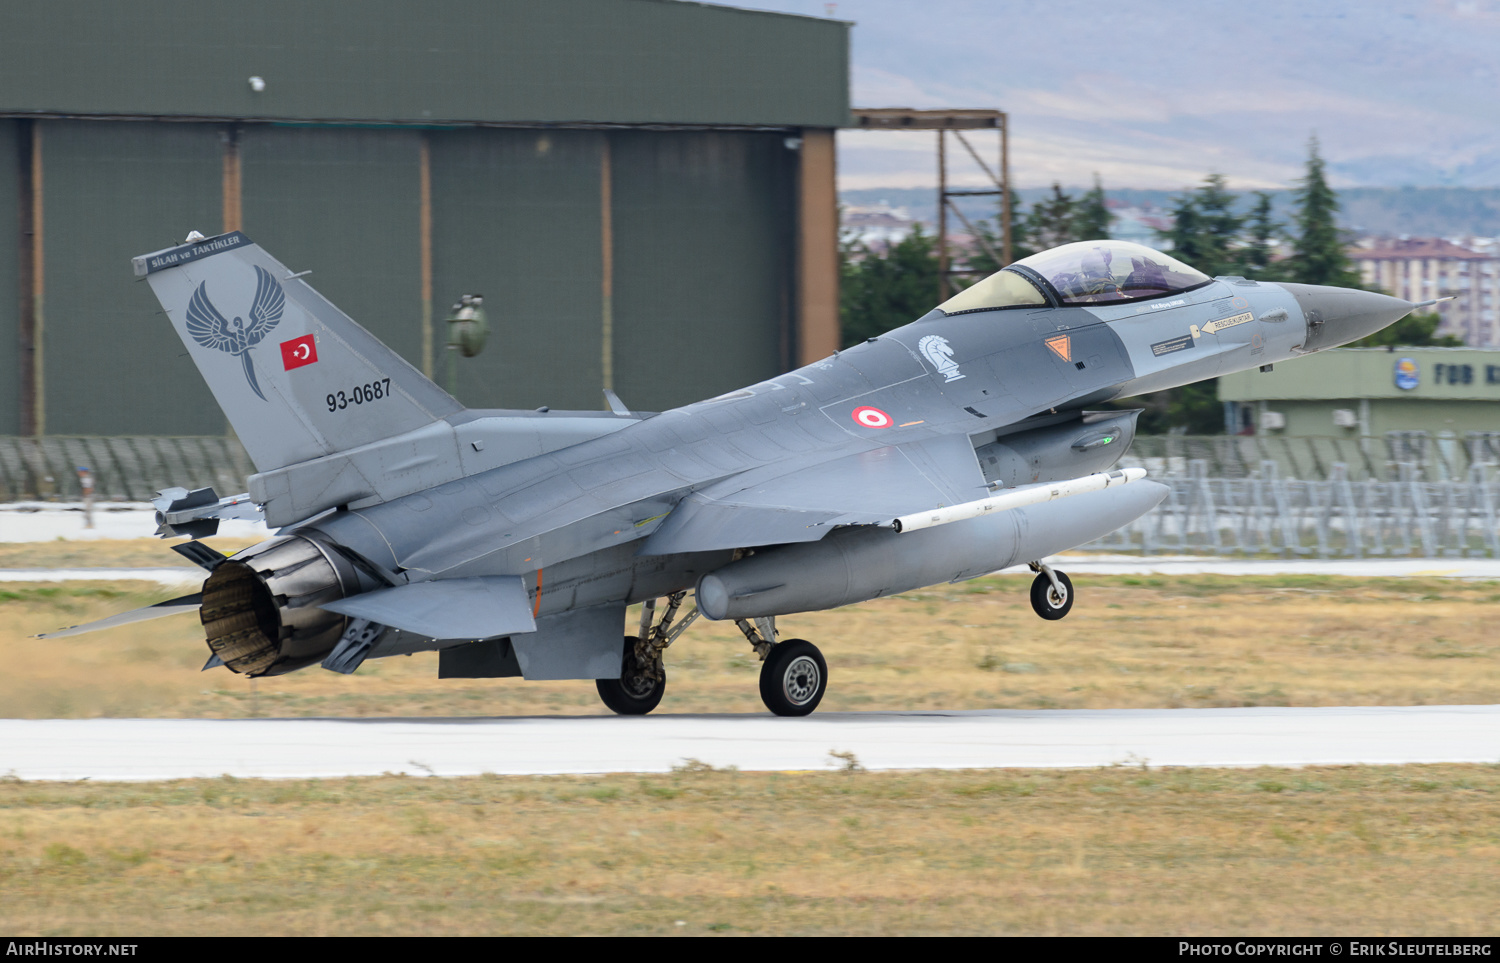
[793,678]
[1045,600]
[633,693]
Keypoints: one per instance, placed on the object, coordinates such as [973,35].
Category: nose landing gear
[1051,592]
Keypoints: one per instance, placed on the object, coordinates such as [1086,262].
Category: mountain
[1157,93]
[1419,211]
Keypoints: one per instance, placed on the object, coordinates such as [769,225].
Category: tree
[1319,254]
[1091,218]
[979,260]
[879,290]
[1052,221]
[1260,239]
[1206,232]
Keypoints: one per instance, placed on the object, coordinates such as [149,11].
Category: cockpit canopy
[1085,272]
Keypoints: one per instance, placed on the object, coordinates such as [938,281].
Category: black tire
[631,694]
[1044,598]
[793,678]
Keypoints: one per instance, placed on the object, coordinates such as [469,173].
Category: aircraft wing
[801,505]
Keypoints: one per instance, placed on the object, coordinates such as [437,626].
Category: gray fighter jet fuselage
[512,542]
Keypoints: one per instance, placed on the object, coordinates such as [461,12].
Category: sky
[1160,93]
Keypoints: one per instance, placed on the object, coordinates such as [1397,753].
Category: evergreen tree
[1260,236]
[1318,251]
[879,291]
[1206,231]
[980,262]
[1052,221]
[1091,217]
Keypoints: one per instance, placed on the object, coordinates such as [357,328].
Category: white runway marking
[169,577]
[49,521]
[1084,564]
[1080,565]
[140,749]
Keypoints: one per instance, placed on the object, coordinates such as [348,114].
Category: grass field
[1360,850]
[1129,642]
[1368,850]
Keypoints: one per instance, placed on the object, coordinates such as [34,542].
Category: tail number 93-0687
[359,395]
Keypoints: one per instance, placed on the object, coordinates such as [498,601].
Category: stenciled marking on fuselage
[1172,345]
[1214,327]
[1161,305]
[939,353]
[376,390]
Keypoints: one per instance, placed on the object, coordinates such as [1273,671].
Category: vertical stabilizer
[296,376]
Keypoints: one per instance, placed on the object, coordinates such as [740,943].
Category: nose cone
[1338,316]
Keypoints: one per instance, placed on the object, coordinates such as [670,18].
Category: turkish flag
[299,351]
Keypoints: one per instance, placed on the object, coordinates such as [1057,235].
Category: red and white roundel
[872,417]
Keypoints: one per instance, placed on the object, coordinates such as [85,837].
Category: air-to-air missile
[512,542]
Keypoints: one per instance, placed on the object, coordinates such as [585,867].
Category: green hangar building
[642,190]
[1370,392]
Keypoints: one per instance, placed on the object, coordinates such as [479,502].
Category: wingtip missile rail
[1032,495]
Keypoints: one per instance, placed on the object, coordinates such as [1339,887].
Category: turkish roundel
[871,417]
[299,351]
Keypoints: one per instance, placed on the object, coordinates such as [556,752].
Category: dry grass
[1403,850]
[1409,850]
[1129,642]
[106,553]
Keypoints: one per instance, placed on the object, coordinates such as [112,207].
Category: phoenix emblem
[939,353]
[212,330]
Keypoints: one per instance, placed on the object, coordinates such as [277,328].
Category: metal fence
[1410,494]
[1337,517]
[124,468]
[1440,456]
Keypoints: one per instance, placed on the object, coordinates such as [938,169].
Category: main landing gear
[643,675]
[1051,592]
[793,674]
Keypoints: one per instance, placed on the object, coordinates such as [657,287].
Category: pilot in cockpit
[1093,277]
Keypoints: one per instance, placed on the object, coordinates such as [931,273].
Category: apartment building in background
[1421,268]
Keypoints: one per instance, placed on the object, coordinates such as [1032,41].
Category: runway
[149,749]
[1080,565]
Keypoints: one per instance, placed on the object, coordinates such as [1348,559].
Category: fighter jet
[512,542]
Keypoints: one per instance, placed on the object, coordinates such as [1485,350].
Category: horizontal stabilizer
[188,603]
[457,608]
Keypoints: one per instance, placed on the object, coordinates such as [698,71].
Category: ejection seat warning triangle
[1061,346]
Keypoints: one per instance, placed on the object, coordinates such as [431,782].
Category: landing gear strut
[643,675]
[1051,592]
[793,673]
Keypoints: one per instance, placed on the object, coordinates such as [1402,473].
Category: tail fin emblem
[212,330]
